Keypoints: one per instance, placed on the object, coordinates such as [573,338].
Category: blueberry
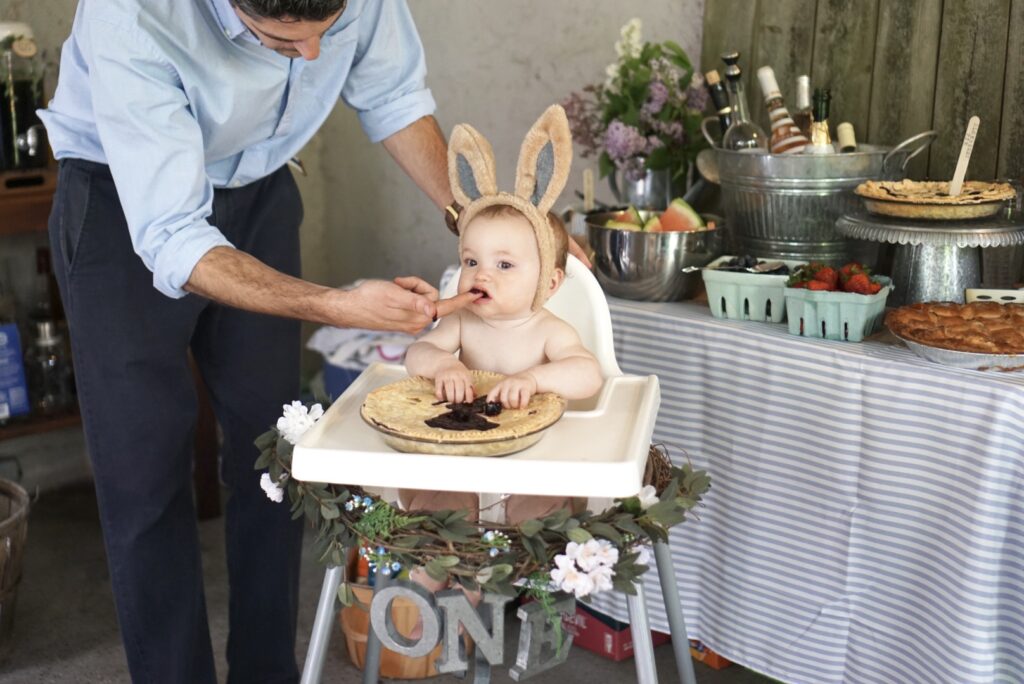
[492,408]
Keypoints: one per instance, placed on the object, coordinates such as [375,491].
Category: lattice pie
[930,199]
[985,327]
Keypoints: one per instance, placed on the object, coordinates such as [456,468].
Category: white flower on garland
[648,497]
[645,553]
[585,568]
[273,489]
[297,419]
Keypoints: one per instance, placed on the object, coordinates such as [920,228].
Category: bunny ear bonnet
[541,174]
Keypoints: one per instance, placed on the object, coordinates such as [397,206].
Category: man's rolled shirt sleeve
[387,83]
[154,148]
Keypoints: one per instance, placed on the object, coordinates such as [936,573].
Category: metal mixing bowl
[649,266]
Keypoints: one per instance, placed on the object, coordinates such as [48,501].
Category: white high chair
[341,448]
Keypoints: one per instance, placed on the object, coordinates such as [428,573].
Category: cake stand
[934,260]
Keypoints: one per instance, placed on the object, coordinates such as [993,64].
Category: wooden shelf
[24,427]
[25,200]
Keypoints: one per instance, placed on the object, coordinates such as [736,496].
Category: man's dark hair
[298,10]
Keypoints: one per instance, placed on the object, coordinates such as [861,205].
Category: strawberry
[851,269]
[858,282]
[874,287]
[801,285]
[818,285]
[829,276]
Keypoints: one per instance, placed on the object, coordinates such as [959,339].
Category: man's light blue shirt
[179,98]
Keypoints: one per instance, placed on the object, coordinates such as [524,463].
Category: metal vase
[652,190]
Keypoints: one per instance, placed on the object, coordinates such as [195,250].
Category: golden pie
[985,327]
[400,412]
[931,200]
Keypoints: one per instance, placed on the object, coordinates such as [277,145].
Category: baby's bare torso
[505,350]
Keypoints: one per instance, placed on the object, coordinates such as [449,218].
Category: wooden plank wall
[895,68]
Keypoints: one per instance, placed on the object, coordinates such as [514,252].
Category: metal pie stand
[934,260]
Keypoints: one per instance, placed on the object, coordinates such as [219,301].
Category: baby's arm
[571,370]
[433,357]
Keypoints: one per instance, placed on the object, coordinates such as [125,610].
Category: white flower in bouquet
[297,419]
[631,42]
[273,489]
[594,553]
[648,497]
[576,582]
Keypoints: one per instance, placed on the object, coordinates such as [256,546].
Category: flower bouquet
[646,115]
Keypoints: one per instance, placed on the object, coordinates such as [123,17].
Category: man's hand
[577,251]
[514,391]
[454,383]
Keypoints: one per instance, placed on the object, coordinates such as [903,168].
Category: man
[175,228]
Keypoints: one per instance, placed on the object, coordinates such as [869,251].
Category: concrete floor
[65,630]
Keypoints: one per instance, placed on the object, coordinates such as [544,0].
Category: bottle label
[13,390]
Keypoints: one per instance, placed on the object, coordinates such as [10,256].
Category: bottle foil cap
[769,86]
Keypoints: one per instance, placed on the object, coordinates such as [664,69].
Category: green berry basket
[746,296]
[836,315]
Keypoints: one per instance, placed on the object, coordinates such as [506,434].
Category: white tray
[597,449]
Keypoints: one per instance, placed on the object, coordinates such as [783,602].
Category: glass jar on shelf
[49,371]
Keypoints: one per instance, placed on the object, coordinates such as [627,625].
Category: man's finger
[453,304]
[417,285]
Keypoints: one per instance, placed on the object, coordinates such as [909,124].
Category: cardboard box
[703,654]
[604,635]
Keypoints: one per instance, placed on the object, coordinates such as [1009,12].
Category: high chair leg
[316,654]
[371,664]
[674,611]
[640,627]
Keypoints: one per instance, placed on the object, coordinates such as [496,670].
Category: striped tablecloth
[866,517]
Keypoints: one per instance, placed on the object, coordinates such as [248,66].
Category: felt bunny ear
[470,165]
[544,159]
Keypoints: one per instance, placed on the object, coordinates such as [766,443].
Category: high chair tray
[598,448]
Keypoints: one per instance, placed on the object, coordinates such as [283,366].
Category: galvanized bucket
[786,206]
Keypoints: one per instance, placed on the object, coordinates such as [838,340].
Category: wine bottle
[802,113]
[786,137]
[847,138]
[743,134]
[821,140]
[720,99]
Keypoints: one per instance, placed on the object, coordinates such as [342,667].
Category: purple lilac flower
[623,142]
[584,121]
[696,97]
[657,95]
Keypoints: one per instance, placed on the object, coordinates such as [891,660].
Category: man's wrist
[451,217]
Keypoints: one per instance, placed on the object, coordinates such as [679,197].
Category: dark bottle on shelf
[49,371]
[719,98]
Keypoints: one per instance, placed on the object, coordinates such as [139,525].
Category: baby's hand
[454,383]
[514,391]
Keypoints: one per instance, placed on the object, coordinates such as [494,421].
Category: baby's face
[500,259]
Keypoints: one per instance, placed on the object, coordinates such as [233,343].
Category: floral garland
[580,554]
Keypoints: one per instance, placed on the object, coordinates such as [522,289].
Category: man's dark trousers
[130,346]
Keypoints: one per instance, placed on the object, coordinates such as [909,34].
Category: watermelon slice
[621,225]
[653,225]
[680,216]
[630,215]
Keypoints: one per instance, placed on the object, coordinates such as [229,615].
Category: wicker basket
[13,532]
[355,624]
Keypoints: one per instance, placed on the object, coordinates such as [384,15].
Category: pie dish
[930,200]
[399,412]
[978,327]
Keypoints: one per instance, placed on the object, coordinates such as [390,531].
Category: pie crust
[399,411]
[985,327]
[930,199]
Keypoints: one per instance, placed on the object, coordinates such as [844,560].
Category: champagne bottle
[720,98]
[743,134]
[802,113]
[821,140]
[786,137]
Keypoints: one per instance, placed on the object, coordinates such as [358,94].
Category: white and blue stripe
[866,516]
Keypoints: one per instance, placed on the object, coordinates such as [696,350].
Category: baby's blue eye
[504,265]
[469,262]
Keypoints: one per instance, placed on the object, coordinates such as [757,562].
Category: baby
[507,330]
